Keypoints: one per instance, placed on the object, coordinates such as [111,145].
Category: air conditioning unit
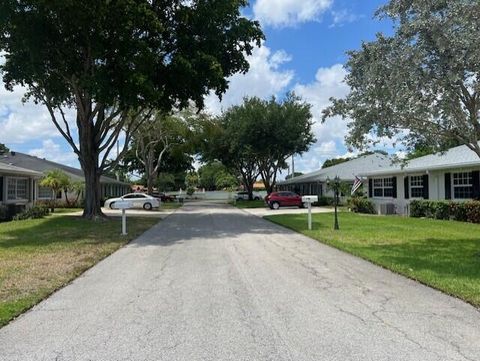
[387,208]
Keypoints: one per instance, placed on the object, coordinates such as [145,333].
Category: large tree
[273,131]
[109,61]
[224,139]
[154,138]
[285,130]
[422,84]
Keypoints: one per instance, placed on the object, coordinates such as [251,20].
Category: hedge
[361,205]
[458,211]
[32,213]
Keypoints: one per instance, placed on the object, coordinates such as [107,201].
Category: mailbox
[309,199]
[122,205]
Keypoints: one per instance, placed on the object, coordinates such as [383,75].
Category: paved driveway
[215,283]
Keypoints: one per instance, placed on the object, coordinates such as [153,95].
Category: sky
[304,51]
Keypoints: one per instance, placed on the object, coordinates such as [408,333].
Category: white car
[243,196]
[139,200]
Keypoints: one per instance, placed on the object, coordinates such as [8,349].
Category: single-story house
[315,183]
[451,175]
[17,187]
[109,187]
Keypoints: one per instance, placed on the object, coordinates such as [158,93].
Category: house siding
[436,189]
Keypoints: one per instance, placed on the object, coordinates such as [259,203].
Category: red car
[276,200]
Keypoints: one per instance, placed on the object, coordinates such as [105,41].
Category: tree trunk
[92,209]
[335,226]
[150,181]
[89,156]
[249,188]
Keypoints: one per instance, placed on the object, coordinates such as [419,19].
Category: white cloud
[20,122]
[341,17]
[284,13]
[54,152]
[264,79]
[329,82]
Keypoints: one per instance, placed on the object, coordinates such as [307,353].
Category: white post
[124,222]
[309,216]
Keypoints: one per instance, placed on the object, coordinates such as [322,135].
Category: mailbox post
[309,200]
[123,205]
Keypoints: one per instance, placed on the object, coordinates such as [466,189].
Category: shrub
[361,205]
[458,211]
[190,191]
[417,209]
[325,201]
[440,210]
[32,213]
[3,214]
[472,209]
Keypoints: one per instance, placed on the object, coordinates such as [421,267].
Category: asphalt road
[215,283]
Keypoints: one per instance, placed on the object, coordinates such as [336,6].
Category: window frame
[382,187]
[461,185]
[411,187]
[39,195]
[16,199]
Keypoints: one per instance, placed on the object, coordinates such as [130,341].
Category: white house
[17,187]
[316,182]
[109,187]
[451,175]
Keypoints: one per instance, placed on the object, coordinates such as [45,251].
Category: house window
[45,193]
[416,186]
[383,187]
[17,189]
[462,185]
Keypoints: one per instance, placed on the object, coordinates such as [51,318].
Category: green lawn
[67,210]
[250,204]
[441,254]
[170,205]
[39,256]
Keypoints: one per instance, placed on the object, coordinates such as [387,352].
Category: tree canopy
[110,61]
[422,84]
[3,149]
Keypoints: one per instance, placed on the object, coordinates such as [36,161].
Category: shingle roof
[10,169]
[458,157]
[346,171]
[41,165]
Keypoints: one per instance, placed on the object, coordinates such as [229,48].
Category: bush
[458,211]
[32,213]
[190,191]
[3,214]
[361,205]
[325,201]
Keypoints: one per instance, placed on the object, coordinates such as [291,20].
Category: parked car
[243,196]
[164,197]
[276,200]
[139,200]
